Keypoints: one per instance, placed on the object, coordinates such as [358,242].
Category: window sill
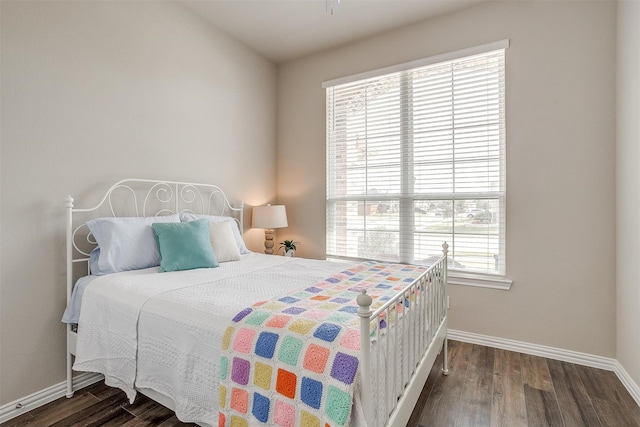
[479,280]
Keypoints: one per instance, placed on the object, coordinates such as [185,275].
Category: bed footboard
[408,333]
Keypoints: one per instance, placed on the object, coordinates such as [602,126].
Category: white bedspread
[173,328]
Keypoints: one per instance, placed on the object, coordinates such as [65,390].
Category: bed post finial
[445,249]
[364,301]
[69,202]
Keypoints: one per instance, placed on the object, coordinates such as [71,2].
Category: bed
[276,340]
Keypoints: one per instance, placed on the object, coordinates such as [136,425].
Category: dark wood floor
[485,387]
[491,387]
[98,405]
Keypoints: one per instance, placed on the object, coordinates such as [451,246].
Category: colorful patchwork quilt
[293,361]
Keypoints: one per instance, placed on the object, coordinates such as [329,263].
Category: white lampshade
[269,216]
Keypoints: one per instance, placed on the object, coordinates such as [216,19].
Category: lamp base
[268,241]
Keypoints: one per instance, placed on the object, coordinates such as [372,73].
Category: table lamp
[269,217]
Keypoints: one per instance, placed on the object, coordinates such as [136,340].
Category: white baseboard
[554,353]
[628,382]
[42,397]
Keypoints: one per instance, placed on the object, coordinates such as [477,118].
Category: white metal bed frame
[423,328]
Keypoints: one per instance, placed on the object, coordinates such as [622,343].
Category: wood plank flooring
[492,387]
[485,387]
[98,405]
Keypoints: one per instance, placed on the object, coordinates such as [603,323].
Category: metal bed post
[364,311]
[69,208]
[241,210]
[445,356]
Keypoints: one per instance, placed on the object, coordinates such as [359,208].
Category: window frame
[406,220]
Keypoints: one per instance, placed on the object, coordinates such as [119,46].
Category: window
[416,157]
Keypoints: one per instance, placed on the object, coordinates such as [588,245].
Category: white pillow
[126,243]
[186,217]
[223,242]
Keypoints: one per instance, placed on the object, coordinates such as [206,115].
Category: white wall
[628,189]
[560,162]
[93,92]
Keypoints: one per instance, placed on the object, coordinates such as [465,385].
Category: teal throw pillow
[184,245]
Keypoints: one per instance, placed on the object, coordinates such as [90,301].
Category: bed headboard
[142,197]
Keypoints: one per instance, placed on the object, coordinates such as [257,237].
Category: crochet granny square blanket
[294,361]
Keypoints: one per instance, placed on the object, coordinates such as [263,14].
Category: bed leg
[445,358]
[69,392]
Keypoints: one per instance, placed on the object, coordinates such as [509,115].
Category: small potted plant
[289,247]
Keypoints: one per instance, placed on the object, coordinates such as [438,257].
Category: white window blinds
[417,157]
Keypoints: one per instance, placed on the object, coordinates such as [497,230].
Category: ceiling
[282,30]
